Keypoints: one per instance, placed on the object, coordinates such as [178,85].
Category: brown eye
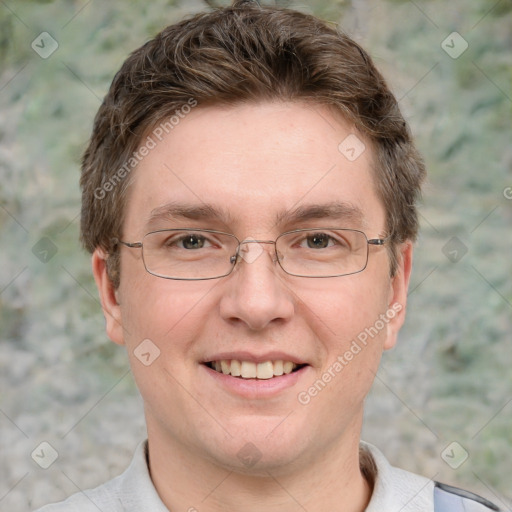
[318,241]
[192,242]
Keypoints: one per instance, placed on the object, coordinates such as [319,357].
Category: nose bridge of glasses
[253,241]
[250,250]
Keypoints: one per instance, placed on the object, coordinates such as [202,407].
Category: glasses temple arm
[131,245]
[379,241]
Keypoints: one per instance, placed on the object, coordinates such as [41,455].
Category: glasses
[196,254]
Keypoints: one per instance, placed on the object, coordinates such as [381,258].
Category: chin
[251,461]
[257,453]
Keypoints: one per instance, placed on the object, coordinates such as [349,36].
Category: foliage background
[449,379]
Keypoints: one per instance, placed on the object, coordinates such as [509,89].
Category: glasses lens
[188,253]
[322,252]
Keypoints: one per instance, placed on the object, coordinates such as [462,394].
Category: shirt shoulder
[453,499]
[399,490]
[131,491]
[103,497]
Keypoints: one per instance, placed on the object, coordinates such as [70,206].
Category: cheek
[162,320]
[339,314]
[168,312]
[347,322]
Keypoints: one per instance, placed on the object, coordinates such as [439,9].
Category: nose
[255,293]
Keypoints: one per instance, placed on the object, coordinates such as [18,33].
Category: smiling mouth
[251,370]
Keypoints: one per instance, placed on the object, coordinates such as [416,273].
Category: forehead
[255,167]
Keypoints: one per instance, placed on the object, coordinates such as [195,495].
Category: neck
[331,480]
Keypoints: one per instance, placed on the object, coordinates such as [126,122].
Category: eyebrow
[173,211]
[336,210]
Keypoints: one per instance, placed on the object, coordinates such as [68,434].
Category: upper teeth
[250,370]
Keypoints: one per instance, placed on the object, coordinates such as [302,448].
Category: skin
[255,161]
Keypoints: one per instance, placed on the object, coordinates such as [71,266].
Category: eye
[192,241]
[319,241]
[186,241]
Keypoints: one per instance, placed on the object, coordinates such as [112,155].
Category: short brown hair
[245,53]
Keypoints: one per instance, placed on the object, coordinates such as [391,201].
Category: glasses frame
[236,257]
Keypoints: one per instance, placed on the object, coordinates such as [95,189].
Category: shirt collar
[137,489]
[393,489]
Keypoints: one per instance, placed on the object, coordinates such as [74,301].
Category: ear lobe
[108,297]
[398,294]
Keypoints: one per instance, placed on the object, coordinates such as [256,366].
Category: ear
[398,294]
[108,296]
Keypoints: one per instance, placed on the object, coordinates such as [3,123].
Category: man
[249,202]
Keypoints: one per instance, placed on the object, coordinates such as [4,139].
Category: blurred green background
[448,380]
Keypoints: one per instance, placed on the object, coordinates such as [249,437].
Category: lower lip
[256,388]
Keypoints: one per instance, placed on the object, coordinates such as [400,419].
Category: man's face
[264,169]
